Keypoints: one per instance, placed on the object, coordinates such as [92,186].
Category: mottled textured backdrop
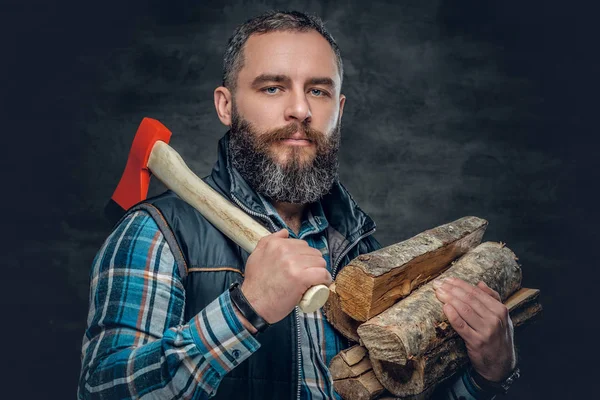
[453,108]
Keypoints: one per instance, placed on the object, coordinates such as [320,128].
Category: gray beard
[292,182]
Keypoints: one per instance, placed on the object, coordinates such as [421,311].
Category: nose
[298,108]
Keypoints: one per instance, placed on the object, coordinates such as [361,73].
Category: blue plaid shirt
[138,345]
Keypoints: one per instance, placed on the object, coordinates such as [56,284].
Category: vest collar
[340,209]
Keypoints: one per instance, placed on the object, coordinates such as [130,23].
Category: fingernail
[437,283]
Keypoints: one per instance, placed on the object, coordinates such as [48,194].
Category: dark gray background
[454,108]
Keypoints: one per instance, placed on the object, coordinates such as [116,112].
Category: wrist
[497,387]
[244,321]
[245,310]
[497,376]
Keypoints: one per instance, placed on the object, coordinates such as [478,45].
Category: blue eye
[271,90]
[317,92]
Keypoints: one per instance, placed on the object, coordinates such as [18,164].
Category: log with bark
[373,282]
[417,324]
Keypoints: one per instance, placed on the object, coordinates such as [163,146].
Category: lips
[297,136]
[298,139]
[297,142]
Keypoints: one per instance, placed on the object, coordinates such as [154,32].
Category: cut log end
[357,292]
[364,387]
[353,376]
[338,318]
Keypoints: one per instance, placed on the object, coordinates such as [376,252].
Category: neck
[291,214]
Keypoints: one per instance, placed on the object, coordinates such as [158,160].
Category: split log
[417,324]
[353,376]
[363,387]
[525,305]
[338,318]
[373,282]
[420,376]
[350,363]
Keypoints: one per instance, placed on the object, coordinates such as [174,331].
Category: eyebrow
[266,78]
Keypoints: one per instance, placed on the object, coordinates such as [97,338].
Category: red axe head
[133,186]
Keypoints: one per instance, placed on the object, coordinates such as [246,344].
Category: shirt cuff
[464,387]
[221,337]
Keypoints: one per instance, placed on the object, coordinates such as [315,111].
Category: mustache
[264,140]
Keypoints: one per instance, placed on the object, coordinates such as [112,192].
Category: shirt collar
[313,222]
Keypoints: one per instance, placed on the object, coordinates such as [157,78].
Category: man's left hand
[477,314]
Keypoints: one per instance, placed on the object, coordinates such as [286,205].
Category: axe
[151,154]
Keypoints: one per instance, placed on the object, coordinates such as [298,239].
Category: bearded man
[177,310]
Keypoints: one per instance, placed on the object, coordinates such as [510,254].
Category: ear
[342,103]
[223,104]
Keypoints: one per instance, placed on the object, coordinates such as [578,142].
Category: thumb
[283,233]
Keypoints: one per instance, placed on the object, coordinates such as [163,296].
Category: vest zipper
[347,250]
[299,352]
[255,214]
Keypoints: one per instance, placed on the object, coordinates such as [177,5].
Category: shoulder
[136,232]
[136,243]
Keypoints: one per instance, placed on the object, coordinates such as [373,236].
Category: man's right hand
[279,271]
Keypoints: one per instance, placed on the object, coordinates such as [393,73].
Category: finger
[489,290]
[465,294]
[282,233]
[298,263]
[461,326]
[464,310]
[312,261]
[291,242]
[286,245]
[497,316]
[316,276]
[494,305]
[293,250]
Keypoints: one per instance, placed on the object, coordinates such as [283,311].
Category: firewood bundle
[386,303]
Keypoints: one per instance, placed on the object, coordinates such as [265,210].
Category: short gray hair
[271,21]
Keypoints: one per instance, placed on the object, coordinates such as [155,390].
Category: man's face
[289,79]
[286,113]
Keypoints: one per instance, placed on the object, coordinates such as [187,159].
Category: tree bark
[417,324]
[420,376]
[373,282]
[338,318]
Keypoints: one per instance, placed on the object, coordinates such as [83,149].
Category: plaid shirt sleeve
[137,344]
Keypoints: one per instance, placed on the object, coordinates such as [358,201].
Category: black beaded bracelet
[243,305]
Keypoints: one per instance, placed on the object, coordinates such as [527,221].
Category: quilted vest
[210,262]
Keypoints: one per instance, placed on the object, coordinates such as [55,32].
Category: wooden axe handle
[168,166]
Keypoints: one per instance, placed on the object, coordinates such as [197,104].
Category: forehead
[299,55]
